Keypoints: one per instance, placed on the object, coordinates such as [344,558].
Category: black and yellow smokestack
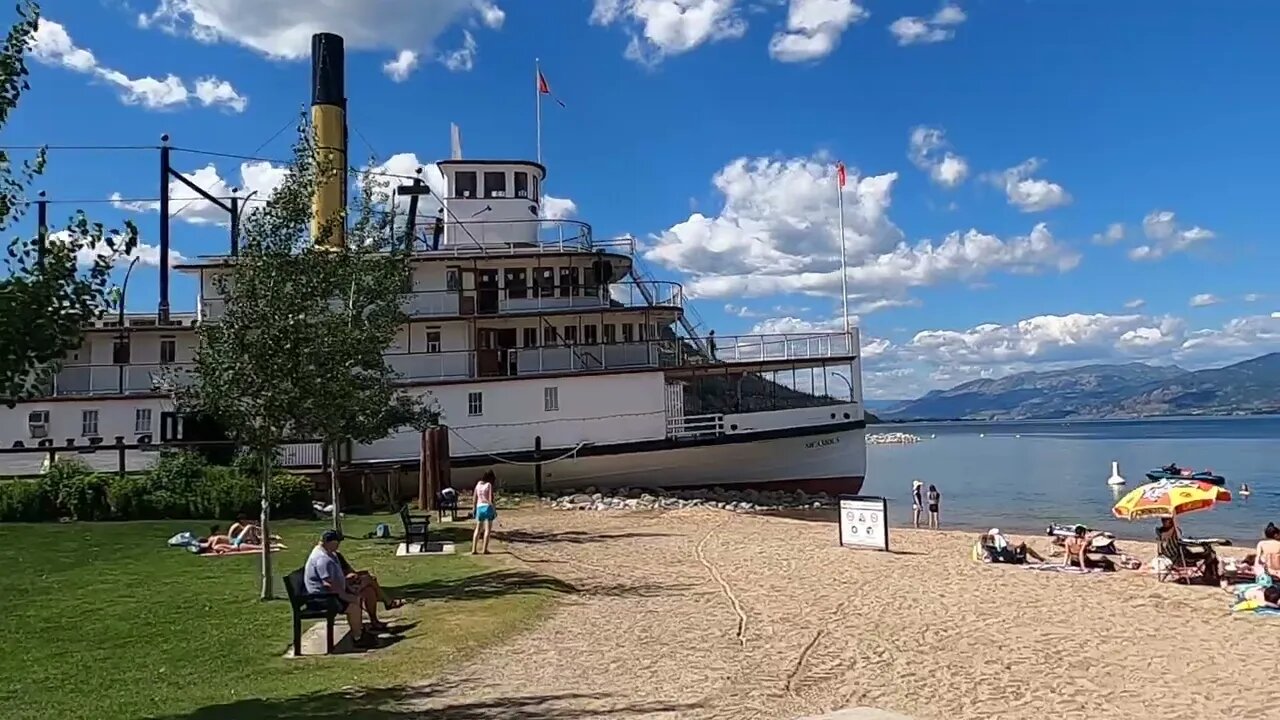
[329,125]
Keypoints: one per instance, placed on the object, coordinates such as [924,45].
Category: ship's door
[488,362]
[486,292]
[507,350]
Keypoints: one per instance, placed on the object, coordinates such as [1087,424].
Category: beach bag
[382,531]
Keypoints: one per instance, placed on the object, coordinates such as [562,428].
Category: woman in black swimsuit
[933,497]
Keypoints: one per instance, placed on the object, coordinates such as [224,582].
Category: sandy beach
[709,614]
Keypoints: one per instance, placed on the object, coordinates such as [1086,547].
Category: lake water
[1021,476]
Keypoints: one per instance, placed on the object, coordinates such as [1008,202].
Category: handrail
[689,425]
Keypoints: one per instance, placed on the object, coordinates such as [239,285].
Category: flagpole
[537,92]
[844,273]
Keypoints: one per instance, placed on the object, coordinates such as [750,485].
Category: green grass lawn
[103,620]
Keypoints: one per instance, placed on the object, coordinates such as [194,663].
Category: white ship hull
[831,461]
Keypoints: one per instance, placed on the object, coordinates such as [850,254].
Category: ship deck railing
[416,367]
[530,299]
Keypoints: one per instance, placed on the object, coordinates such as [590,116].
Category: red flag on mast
[545,89]
[840,174]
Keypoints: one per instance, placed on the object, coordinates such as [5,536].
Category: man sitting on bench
[323,574]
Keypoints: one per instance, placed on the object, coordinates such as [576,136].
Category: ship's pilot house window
[545,281]
[569,283]
[516,282]
[495,184]
[534,195]
[464,184]
[522,184]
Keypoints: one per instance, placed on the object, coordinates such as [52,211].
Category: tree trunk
[267,585]
[335,494]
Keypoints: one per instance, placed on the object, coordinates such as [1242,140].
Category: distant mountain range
[1131,390]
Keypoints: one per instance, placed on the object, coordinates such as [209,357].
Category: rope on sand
[724,586]
[798,668]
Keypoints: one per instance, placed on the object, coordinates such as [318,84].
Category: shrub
[75,490]
[225,493]
[291,496]
[23,501]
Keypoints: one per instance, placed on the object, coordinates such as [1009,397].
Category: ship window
[551,399]
[530,337]
[590,285]
[517,283]
[611,333]
[589,335]
[534,196]
[475,403]
[548,335]
[522,184]
[641,332]
[546,282]
[570,334]
[628,332]
[653,332]
[464,184]
[120,351]
[168,351]
[433,341]
[569,285]
[142,421]
[452,282]
[495,184]
[89,423]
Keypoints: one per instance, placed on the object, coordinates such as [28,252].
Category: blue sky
[709,129]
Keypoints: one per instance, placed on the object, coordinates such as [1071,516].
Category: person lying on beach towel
[1254,596]
[999,549]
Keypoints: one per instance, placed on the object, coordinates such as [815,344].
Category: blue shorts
[486,511]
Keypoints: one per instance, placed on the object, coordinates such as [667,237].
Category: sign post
[864,522]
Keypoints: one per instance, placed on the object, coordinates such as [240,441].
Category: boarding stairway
[642,277]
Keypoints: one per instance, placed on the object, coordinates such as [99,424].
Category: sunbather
[1002,550]
[215,542]
[1267,553]
[1264,595]
[1077,553]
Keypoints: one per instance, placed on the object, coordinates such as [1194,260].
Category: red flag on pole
[545,89]
[840,174]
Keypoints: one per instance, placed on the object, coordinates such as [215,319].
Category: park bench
[416,528]
[309,606]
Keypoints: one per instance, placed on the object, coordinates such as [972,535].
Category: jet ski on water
[1173,472]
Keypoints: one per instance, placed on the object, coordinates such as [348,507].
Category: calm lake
[1021,476]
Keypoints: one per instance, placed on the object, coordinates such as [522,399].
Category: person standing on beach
[934,498]
[917,502]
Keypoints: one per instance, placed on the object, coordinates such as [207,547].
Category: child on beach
[934,498]
[1267,561]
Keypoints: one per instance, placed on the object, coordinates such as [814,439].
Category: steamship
[541,344]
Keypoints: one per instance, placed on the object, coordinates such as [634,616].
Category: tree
[46,297]
[298,352]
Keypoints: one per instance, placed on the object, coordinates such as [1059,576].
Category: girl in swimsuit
[934,497]
[485,513]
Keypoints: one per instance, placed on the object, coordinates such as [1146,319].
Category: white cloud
[282,29]
[659,28]
[929,150]
[258,178]
[1253,297]
[911,30]
[52,45]
[778,233]
[943,358]
[554,208]
[1165,237]
[401,66]
[1135,303]
[147,255]
[1112,235]
[1204,300]
[462,59]
[814,28]
[1026,193]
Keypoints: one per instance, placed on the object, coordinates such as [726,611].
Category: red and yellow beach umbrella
[1169,498]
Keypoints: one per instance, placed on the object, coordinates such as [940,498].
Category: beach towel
[242,551]
[1254,607]
[1057,568]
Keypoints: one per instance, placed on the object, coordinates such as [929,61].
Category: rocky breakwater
[893,438]
[746,500]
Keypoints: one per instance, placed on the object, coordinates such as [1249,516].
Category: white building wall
[595,409]
[116,416]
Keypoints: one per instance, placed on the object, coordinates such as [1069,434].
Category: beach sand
[708,614]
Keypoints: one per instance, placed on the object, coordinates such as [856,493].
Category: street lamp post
[122,340]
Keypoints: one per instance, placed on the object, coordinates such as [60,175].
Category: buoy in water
[1115,478]
[982,434]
